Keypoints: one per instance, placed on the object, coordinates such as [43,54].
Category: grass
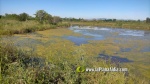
[61,58]
[10,27]
[117,24]
[58,67]
[55,60]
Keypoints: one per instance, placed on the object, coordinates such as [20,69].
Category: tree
[11,16]
[23,16]
[138,20]
[108,20]
[40,15]
[43,16]
[147,20]
[31,18]
[56,19]
[0,16]
[48,18]
[114,20]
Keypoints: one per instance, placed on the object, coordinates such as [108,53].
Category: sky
[87,9]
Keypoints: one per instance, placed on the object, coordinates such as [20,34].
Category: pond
[101,33]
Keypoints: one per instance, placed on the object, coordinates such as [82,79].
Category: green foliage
[58,68]
[23,16]
[114,20]
[20,17]
[11,16]
[147,20]
[40,14]
[108,20]
[31,18]
[1,16]
[119,24]
[48,18]
[73,19]
[10,27]
[56,19]
[43,17]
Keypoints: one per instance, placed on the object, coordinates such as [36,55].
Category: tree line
[40,15]
[103,20]
[44,17]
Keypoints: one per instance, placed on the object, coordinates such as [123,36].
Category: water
[130,42]
[125,49]
[114,59]
[115,32]
[101,33]
[82,40]
[146,49]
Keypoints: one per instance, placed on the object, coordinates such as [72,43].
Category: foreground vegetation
[55,61]
[17,67]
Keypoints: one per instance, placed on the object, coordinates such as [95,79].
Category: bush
[23,16]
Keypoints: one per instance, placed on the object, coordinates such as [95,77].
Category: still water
[101,33]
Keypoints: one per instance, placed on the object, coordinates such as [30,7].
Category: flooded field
[128,48]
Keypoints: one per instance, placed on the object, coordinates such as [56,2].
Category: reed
[10,27]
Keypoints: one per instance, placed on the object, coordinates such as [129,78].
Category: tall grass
[9,27]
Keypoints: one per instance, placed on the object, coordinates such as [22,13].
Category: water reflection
[82,40]
[114,59]
[125,49]
[120,31]
[101,33]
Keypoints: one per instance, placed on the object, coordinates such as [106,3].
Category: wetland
[89,46]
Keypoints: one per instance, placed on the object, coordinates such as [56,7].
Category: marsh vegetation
[48,50]
[48,57]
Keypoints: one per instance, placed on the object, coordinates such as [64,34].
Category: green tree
[147,20]
[48,18]
[56,19]
[23,16]
[31,18]
[114,20]
[11,16]
[0,16]
[43,16]
[40,15]
[138,20]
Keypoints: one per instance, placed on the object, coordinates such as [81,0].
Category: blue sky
[119,9]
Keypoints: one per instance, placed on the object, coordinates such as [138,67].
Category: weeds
[10,27]
[57,66]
